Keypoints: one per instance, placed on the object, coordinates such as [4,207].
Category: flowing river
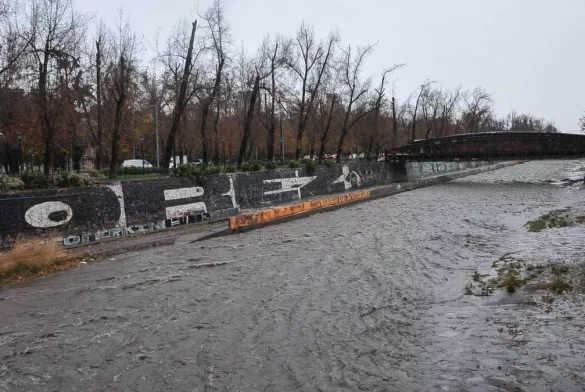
[369,297]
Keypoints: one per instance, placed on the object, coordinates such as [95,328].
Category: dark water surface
[368,297]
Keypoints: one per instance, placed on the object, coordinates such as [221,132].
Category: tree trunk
[205,111]
[98,63]
[180,101]
[118,117]
[340,144]
[272,126]
[48,134]
[248,122]
[217,158]
[326,131]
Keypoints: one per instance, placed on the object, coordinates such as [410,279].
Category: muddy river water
[369,297]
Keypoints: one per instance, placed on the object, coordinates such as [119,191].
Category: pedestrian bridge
[493,146]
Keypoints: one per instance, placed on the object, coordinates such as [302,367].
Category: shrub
[329,162]
[246,167]
[230,169]
[34,180]
[8,183]
[271,166]
[184,171]
[294,164]
[256,166]
[66,179]
[310,167]
[210,170]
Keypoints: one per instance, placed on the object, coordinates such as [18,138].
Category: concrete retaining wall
[84,215]
[249,221]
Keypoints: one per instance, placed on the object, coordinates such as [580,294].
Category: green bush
[185,171]
[199,173]
[210,170]
[8,183]
[294,164]
[34,180]
[271,166]
[73,179]
[329,162]
[230,169]
[310,167]
[256,166]
[246,167]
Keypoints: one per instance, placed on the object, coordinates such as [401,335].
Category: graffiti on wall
[291,184]
[350,179]
[98,235]
[185,209]
[232,193]
[48,214]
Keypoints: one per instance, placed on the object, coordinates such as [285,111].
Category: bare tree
[478,104]
[272,51]
[218,35]
[378,106]
[13,43]
[422,91]
[449,103]
[53,34]
[356,90]
[308,60]
[432,100]
[120,73]
[186,85]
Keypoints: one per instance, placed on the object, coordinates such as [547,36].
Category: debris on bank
[510,275]
[555,219]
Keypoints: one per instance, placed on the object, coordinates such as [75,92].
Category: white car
[138,163]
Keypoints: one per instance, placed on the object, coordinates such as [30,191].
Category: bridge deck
[493,146]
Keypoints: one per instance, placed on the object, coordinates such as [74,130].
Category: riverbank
[74,256]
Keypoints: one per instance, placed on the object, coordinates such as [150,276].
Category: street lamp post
[223,144]
[142,142]
[19,138]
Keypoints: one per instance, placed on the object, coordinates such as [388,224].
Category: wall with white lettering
[84,215]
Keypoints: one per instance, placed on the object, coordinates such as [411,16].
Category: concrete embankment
[256,219]
[85,216]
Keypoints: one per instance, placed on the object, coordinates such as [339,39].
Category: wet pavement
[368,297]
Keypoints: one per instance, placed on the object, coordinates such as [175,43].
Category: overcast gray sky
[529,54]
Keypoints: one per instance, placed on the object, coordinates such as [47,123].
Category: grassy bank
[30,259]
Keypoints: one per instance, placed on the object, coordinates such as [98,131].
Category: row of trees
[68,92]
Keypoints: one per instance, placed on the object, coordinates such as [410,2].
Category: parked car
[139,163]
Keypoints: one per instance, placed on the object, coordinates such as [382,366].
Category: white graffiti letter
[232,193]
[117,189]
[293,184]
[183,193]
[185,209]
[38,216]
